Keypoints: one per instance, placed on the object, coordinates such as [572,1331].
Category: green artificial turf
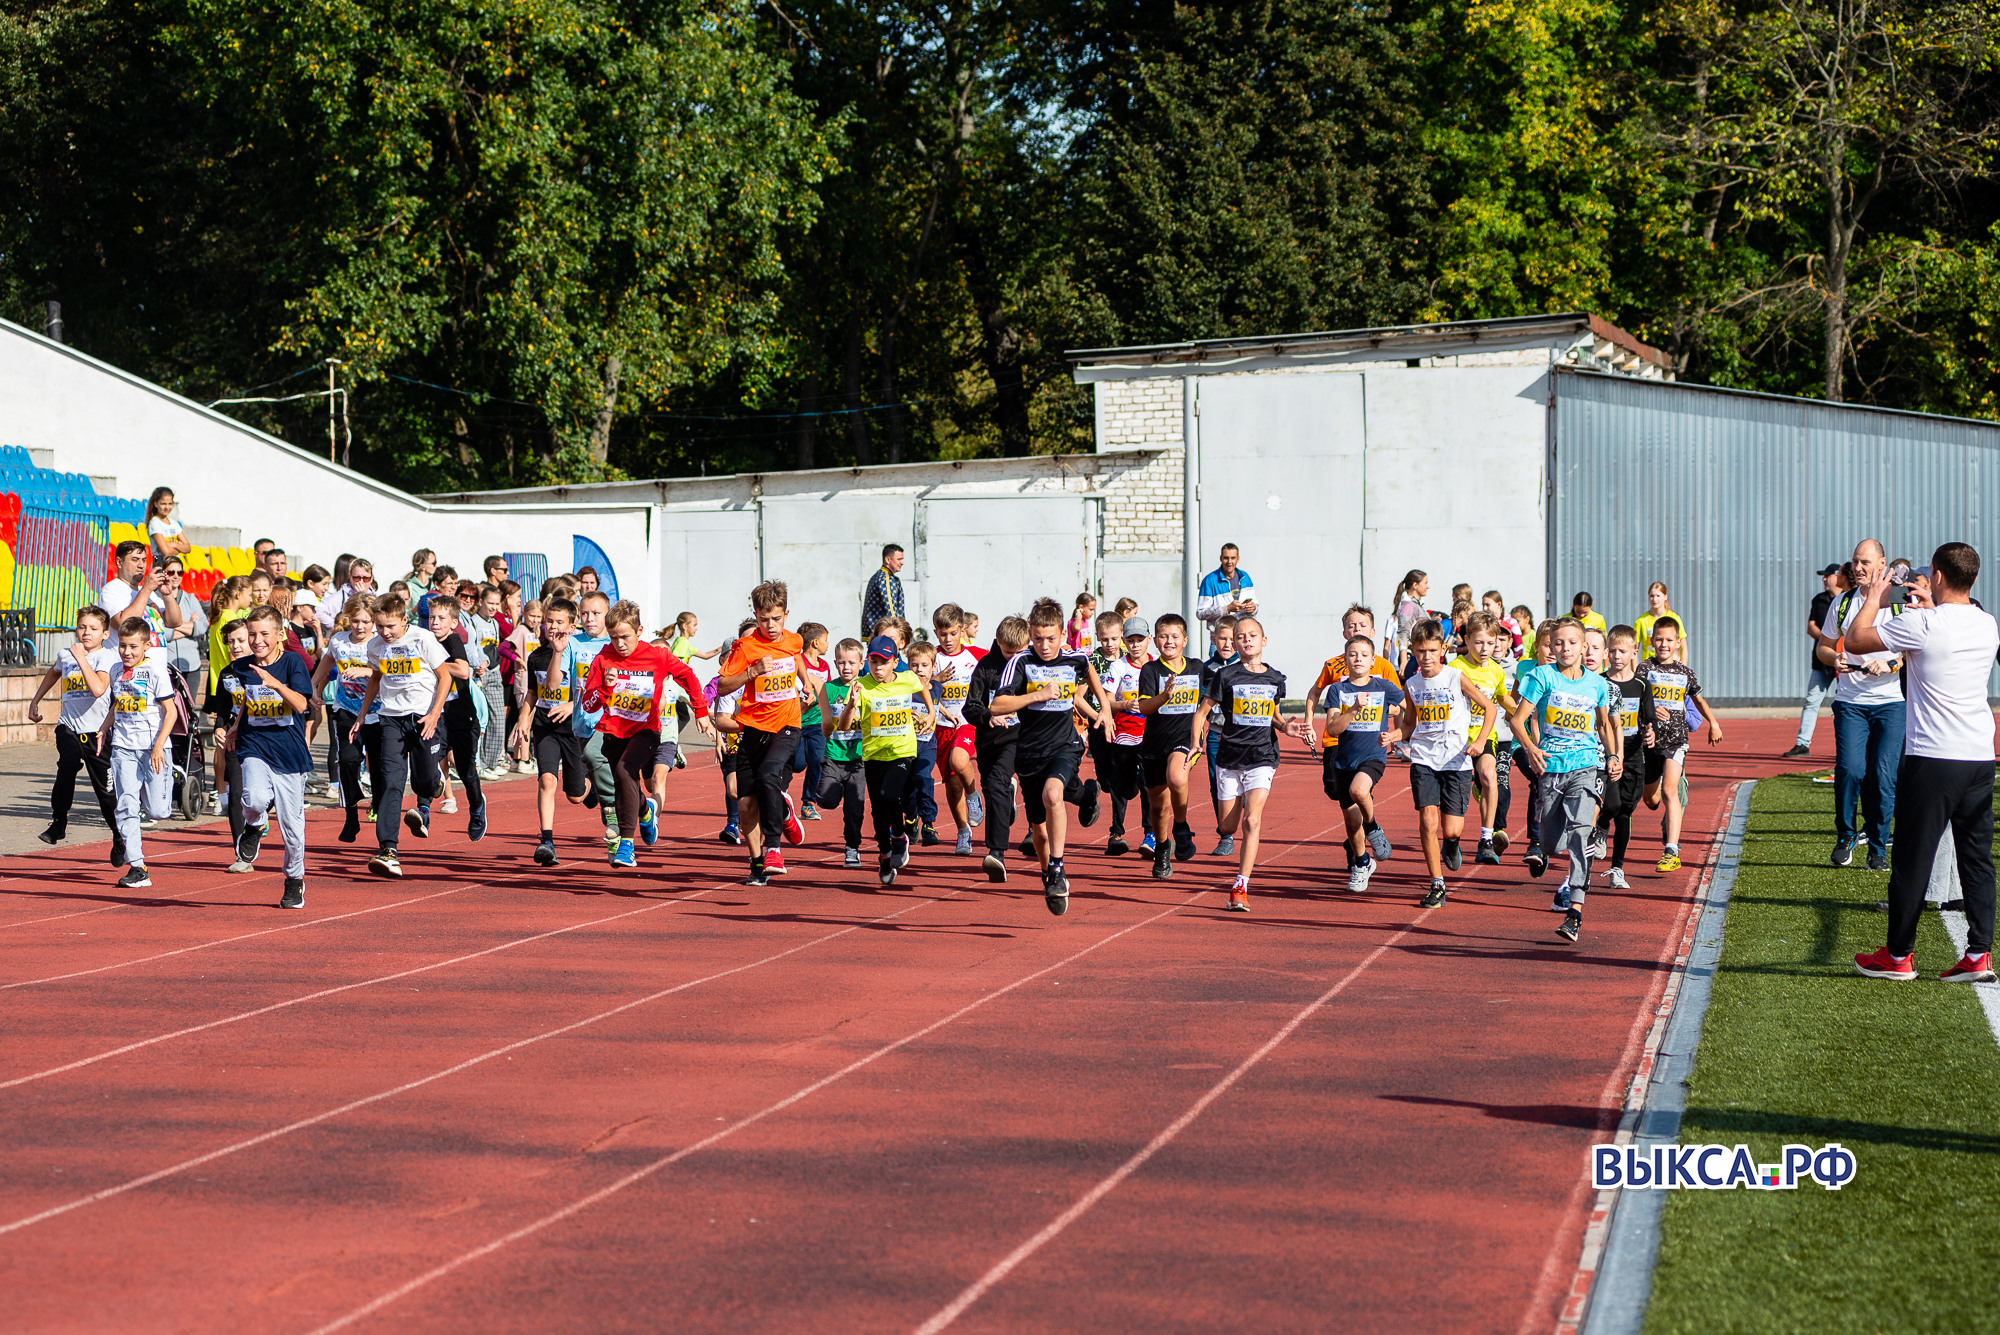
[1797,1047]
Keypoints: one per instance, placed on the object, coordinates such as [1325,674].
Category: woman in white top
[162,529]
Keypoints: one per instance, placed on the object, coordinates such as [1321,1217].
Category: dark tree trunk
[857,421]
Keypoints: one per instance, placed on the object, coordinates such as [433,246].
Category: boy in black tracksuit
[995,743]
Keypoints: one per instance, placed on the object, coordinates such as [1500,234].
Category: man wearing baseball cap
[1819,681]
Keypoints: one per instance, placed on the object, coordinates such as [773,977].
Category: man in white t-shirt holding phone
[1945,782]
[139,593]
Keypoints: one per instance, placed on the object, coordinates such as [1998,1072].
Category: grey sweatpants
[1567,813]
[601,783]
[134,787]
[284,794]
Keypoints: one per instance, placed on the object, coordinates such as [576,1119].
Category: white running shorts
[1236,782]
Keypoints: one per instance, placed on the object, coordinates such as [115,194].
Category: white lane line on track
[126,904]
[978,1289]
[227,940]
[343,987]
[640,1174]
[363,1102]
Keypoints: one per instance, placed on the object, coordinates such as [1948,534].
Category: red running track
[492,1098]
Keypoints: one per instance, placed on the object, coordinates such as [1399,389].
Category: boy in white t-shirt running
[143,713]
[1441,741]
[83,670]
[409,683]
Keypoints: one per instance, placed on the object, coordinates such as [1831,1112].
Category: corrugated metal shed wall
[1734,500]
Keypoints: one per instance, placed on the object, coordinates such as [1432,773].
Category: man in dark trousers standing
[1945,782]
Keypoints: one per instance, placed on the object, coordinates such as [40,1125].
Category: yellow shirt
[1490,678]
[1643,626]
[1594,620]
[218,657]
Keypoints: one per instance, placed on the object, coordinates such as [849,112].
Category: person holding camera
[1945,779]
[1868,717]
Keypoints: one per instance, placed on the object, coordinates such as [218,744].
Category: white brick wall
[1143,515]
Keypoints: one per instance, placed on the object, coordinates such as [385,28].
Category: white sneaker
[1357,876]
[524,767]
[964,848]
[449,806]
[215,804]
[1615,878]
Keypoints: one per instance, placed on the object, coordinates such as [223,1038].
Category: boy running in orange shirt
[765,663]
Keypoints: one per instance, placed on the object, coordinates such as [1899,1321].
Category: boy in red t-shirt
[765,663]
[628,680]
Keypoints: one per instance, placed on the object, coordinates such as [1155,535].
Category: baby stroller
[190,785]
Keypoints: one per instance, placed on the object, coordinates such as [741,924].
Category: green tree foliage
[560,239]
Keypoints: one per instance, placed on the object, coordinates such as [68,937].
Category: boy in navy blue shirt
[270,736]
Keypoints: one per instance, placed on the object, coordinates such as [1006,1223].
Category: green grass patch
[1797,1047]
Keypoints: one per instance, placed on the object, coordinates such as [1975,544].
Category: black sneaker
[1796,753]
[419,824]
[1878,861]
[1486,856]
[351,829]
[1183,844]
[1163,862]
[55,834]
[758,876]
[118,858]
[295,894]
[386,863]
[136,878]
[899,852]
[1055,891]
[1537,860]
[1843,854]
[1571,926]
[930,835]
[475,825]
[590,798]
[1028,845]
[247,845]
[1435,896]
[886,871]
[1086,806]
[1559,903]
[545,854]
[995,867]
[1117,847]
[1453,860]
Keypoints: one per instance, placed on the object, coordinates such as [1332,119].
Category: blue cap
[884,646]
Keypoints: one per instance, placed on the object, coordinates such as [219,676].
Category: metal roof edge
[1277,345]
[799,474]
[1563,370]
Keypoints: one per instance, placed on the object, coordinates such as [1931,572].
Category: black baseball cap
[1829,570]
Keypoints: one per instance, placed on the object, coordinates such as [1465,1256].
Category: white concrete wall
[100,421]
[1454,469]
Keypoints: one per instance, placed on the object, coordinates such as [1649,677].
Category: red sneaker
[1239,897]
[1972,969]
[774,862]
[794,832]
[1882,964]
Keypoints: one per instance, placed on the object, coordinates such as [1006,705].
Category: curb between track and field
[1614,1276]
